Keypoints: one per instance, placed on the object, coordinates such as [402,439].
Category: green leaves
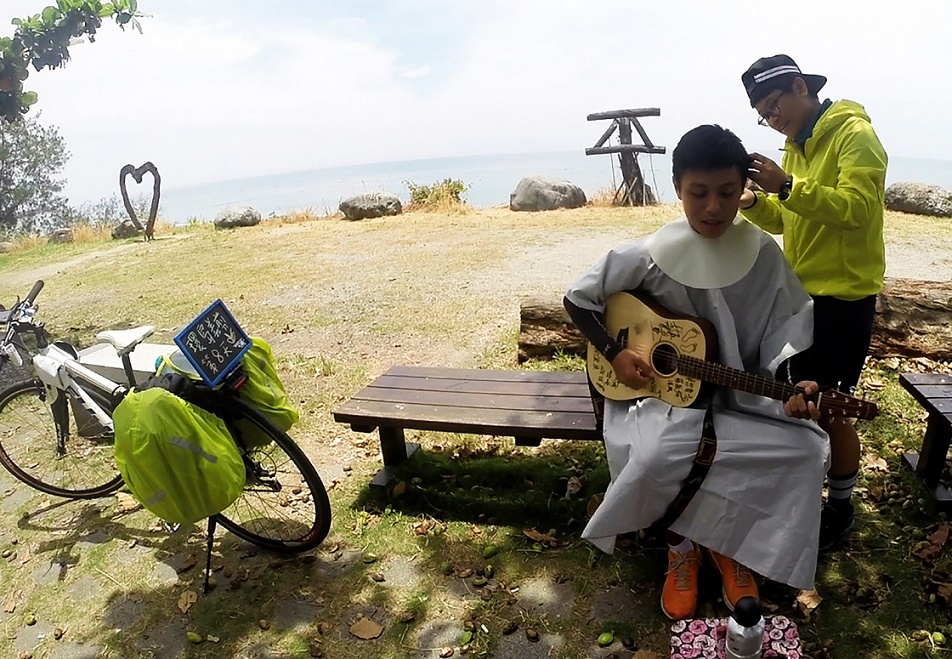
[43,41]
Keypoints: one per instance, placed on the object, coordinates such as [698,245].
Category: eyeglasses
[773,110]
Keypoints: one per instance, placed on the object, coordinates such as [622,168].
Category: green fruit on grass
[938,638]
[606,639]
[490,551]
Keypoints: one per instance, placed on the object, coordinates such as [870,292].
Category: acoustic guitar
[683,353]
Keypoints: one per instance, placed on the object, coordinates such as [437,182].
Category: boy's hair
[708,148]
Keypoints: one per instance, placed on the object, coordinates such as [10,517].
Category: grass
[341,302]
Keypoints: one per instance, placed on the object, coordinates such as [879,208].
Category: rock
[6,247]
[61,235]
[919,198]
[125,229]
[539,193]
[237,216]
[372,204]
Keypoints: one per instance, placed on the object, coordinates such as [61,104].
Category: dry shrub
[443,196]
[304,215]
[27,241]
[603,197]
[91,233]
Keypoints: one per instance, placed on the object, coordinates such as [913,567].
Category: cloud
[418,72]
[221,90]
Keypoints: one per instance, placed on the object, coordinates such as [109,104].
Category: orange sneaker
[679,596]
[738,580]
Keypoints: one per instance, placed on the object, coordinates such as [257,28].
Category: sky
[216,90]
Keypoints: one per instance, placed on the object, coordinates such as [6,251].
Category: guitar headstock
[838,404]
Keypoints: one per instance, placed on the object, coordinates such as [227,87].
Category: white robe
[760,502]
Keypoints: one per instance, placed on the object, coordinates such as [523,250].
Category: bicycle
[56,435]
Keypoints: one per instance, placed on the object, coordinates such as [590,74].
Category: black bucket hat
[777,72]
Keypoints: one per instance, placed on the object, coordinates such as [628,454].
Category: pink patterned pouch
[704,639]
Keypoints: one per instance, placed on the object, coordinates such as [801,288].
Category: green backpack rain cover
[263,389]
[177,460]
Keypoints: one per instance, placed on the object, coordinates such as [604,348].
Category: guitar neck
[733,378]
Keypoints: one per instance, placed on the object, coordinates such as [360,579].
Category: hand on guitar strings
[632,370]
[798,406]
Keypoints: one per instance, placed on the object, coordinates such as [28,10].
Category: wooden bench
[934,393]
[527,405]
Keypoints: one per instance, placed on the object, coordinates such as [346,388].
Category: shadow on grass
[547,488]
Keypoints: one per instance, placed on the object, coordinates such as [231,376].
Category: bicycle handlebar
[37,287]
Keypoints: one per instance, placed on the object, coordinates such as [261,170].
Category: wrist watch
[785,189]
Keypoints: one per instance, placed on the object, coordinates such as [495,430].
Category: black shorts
[842,330]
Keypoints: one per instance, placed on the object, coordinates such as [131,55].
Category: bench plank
[480,421]
[478,401]
[473,386]
[527,405]
[547,377]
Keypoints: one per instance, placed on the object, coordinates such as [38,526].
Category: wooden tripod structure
[632,191]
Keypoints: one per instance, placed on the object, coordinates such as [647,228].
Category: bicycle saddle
[125,340]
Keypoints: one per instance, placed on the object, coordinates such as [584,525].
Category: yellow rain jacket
[832,222]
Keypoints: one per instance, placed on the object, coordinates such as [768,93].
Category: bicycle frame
[57,370]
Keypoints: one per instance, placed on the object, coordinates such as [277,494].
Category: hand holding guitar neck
[803,404]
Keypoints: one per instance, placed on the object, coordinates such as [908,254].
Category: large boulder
[237,216]
[125,229]
[919,198]
[539,193]
[371,204]
[61,235]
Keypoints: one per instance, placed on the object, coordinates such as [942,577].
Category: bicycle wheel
[284,506]
[71,459]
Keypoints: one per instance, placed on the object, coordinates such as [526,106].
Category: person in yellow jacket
[826,198]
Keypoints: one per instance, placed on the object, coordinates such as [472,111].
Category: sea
[490,180]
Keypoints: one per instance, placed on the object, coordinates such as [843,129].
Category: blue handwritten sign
[214,343]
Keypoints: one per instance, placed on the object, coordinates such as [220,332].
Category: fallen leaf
[573,487]
[807,600]
[366,629]
[944,591]
[594,503]
[126,503]
[935,543]
[875,384]
[186,600]
[399,489]
[11,604]
[532,534]
[876,462]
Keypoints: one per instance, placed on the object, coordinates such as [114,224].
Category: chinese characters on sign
[213,343]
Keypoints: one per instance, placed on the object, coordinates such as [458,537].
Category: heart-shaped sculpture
[137,173]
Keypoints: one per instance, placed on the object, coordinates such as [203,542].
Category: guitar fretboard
[733,378]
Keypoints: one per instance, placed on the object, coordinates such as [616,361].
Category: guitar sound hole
[664,359]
